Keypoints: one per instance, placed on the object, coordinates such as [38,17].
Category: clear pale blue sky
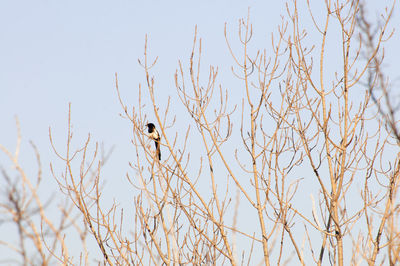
[53,52]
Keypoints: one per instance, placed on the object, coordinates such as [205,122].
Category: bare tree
[386,101]
[40,238]
[298,124]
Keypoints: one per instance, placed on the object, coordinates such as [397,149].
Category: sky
[53,53]
[57,52]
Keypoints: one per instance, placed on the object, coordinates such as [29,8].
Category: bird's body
[154,135]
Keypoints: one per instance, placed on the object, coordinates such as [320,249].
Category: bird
[154,135]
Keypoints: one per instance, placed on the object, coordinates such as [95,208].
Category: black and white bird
[154,135]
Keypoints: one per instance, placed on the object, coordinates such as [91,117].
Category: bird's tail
[158,150]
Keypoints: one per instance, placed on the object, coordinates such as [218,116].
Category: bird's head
[150,127]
